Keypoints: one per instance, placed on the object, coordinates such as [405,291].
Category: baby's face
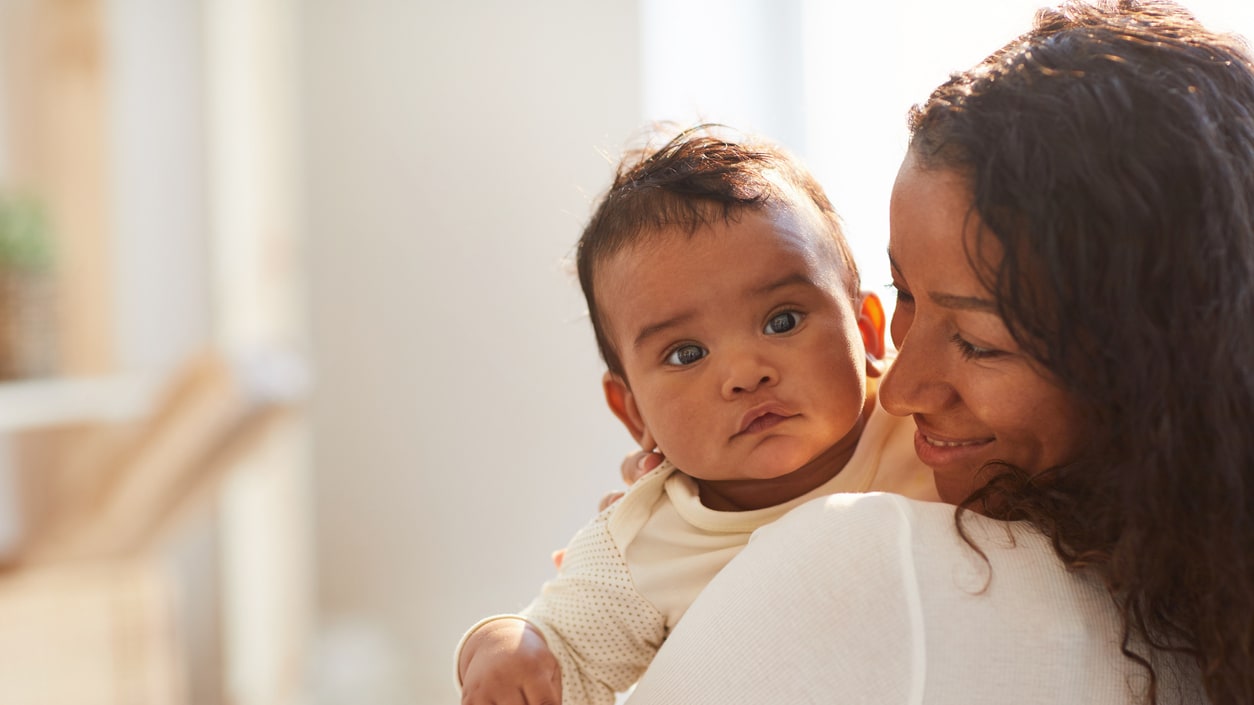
[740,344]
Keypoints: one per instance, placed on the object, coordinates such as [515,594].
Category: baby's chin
[779,467]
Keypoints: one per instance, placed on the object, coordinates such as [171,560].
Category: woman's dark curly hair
[1110,153]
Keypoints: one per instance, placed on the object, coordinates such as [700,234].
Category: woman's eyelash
[902,294]
[972,352]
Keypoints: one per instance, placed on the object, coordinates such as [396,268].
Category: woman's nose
[917,381]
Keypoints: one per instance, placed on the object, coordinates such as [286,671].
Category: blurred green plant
[25,235]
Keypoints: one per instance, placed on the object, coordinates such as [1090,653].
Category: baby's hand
[634,467]
[507,661]
[637,465]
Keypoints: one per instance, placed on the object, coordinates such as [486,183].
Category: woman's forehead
[934,227]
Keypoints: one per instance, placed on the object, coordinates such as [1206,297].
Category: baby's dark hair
[695,179]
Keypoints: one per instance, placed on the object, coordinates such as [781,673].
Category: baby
[727,307]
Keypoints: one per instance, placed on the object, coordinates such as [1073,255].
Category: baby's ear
[871,324]
[623,403]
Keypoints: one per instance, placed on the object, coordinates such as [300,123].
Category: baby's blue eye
[782,323]
[685,355]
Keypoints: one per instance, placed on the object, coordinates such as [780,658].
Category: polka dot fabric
[602,631]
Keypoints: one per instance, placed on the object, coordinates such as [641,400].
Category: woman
[1072,241]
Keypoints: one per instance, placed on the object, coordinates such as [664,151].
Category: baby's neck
[746,495]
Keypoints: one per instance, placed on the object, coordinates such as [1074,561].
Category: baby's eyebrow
[791,279]
[655,328]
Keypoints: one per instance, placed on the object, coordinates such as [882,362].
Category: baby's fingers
[638,464]
[530,692]
[608,499]
[539,692]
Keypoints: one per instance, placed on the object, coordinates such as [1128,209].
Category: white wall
[452,151]
[159,232]
[736,62]
[160,241]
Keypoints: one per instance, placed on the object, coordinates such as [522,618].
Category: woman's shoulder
[955,599]
[918,537]
[902,544]
[864,512]
[876,512]
[872,505]
[881,533]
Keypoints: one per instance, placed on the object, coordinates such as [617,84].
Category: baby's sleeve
[601,630]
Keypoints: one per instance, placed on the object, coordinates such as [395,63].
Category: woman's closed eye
[686,354]
[971,351]
[903,296]
[782,322]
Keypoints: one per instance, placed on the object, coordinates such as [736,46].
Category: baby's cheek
[676,447]
[680,427]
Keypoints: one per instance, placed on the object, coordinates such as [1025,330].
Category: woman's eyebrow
[963,303]
[953,301]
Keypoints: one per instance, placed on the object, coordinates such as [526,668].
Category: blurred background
[295,381]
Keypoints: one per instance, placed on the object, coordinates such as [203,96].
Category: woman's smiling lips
[937,451]
[761,418]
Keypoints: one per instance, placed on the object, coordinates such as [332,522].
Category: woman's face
[975,397]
